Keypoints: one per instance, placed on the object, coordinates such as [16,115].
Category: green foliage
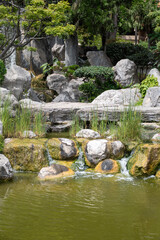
[47,68]
[2,71]
[77,125]
[37,19]
[150,81]
[23,121]
[129,128]
[139,54]
[99,80]
[1,143]
[101,73]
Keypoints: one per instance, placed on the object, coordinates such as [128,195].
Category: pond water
[85,207]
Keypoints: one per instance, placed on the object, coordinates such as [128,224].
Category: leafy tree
[18,26]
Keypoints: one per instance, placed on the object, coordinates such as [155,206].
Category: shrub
[101,73]
[137,53]
[2,71]
[99,80]
[149,81]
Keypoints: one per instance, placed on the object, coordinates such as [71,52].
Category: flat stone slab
[65,111]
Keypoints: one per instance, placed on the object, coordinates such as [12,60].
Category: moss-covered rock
[62,149]
[145,160]
[54,171]
[108,166]
[26,154]
[158,174]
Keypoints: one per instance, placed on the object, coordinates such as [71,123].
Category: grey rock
[71,50]
[155,73]
[117,149]
[61,127]
[150,126]
[58,49]
[57,82]
[34,60]
[125,73]
[52,171]
[98,58]
[71,92]
[87,133]
[6,171]
[156,137]
[122,97]
[63,97]
[31,94]
[5,95]
[17,80]
[68,149]
[96,150]
[152,97]
[28,134]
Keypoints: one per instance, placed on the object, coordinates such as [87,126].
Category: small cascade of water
[123,162]
[80,163]
[50,159]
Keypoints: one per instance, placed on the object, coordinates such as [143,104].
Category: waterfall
[79,164]
[123,162]
[11,60]
[50,159]
[124,171]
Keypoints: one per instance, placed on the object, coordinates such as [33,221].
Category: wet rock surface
[108,166]
[54,171]
[6,171]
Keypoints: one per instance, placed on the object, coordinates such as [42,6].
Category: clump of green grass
[23,121]
[129,128]
[39,125]
[77,125]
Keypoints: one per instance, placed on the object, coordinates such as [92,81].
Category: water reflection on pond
[87,206]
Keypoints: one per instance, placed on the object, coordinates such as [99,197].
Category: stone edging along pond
[57,157]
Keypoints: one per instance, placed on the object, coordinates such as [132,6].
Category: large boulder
[34,60]
[17,80]
[54,171]
[87,133]
[71,92]
[108,166]
[71,50]
[6,171]
[96,151]
[152,97]
[122,97]
[125,73]
[26,155]
[5,95]
[98,58]
[62,149]
[58,49]
[145,160]
[57,82]
[156,74]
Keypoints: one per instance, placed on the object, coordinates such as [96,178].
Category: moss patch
[26,154]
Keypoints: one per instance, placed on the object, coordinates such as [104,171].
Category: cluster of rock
[55,158]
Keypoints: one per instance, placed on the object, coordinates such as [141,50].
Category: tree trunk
[71,50]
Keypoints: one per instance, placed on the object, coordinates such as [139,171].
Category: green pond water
[88,206]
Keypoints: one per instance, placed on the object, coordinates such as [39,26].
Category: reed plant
[77,125]
[39,124]
[129,128]
[24,120]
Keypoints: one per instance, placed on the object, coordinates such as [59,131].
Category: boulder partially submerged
[54,171]
[6,171]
